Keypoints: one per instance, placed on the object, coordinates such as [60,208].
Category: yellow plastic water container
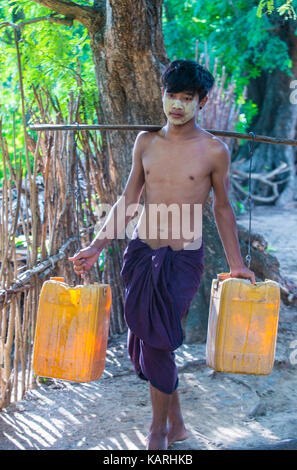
[71,331]
[242,325]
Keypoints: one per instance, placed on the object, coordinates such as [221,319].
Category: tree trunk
[277,117]
[129,54]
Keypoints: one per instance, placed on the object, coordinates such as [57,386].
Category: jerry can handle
[220,277]
[216,284]
[86,278]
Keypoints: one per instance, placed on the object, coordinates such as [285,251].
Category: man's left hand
[243,272]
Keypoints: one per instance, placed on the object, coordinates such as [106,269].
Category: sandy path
[222,411]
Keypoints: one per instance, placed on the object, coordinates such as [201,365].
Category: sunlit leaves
[268,7]
[54,56]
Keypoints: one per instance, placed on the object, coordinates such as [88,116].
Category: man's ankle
[175,422]
[159,429]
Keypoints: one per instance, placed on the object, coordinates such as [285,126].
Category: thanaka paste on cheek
[187,109]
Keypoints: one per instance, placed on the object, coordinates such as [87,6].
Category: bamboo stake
[19,63]
[154,128]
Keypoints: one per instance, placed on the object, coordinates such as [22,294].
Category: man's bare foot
[157,441]
[177,433]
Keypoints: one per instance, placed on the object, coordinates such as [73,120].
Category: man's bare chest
[177,166]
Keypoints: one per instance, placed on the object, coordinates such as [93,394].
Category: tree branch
[52,18]
[84,14]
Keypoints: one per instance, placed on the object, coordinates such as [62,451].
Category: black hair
[187,75]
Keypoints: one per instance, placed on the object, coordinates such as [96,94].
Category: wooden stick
[154,128]
[42,268]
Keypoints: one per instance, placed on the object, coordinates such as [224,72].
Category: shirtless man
[177,165]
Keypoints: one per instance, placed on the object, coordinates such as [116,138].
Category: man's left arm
[224,214]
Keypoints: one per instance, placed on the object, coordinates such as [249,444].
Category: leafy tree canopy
[55,57]
[244,43]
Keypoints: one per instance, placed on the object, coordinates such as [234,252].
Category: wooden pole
[154,128]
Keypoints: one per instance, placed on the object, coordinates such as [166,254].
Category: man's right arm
[117,219]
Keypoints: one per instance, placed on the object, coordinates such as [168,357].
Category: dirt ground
[221,411]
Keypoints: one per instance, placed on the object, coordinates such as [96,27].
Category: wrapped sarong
[159,287]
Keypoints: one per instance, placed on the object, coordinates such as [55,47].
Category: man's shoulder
[217,150]
[213,141]
[144,138]
[216,146]
[147,135]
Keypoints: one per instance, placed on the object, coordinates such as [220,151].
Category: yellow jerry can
[71,331]
[242,325]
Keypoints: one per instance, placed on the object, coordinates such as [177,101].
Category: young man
[163,263]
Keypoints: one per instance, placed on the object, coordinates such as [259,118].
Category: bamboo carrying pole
[154,128]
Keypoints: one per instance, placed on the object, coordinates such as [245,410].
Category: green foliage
[269,4]
[101,260]
[242,42]
[50,54]
[248,111]
[55,57]
[269,248]
[286,9]
[240,207]
[20,241]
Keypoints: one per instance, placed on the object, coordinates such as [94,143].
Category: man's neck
[182,131]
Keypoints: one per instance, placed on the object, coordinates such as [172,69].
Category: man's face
[180,107]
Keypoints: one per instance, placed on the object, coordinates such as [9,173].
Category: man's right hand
[84,260]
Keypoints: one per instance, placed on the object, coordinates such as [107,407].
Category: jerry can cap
[222,276]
